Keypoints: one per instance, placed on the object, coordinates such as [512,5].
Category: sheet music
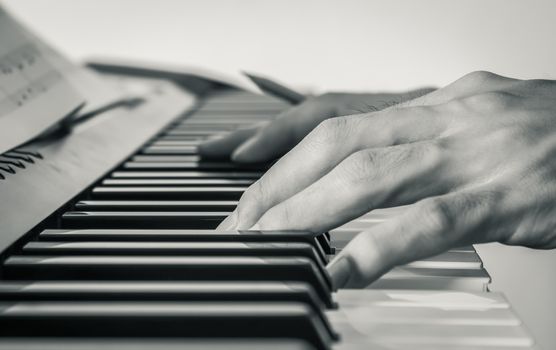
[34,92]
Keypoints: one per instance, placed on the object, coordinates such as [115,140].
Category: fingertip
[215,147]
[224,145]
[246,152]
[255,227]
[339,270]
[272,219]
[229,223]
[268,143]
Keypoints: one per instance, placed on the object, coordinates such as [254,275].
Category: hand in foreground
[475,160]
[268,141]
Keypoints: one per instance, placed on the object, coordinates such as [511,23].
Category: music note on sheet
[34,90]
[24,75]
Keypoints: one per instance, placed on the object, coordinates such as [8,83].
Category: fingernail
[229,223]
[241,154]
[339,270]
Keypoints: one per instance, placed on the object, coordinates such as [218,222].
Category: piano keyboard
[135,263]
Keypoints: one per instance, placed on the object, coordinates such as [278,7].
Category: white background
[336,45]
[348,44]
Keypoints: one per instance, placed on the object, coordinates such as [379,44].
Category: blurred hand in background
[268,141]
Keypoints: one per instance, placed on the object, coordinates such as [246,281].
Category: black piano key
[219,120]
[324,240]
[259,110]
[181,138]
[178,182]
[201,127]
[142,219]
[167,291]
[196,139]
[235,101]
[235,106]
[267,249]
[186,150]
[231,115]
[186,142]
[157,158]
[251,118]
[188,174]
[202,165]
[145,235]
[123,343]
[116,205]
[241,97]
[191,132]
[165,319]
[210,126]
[168,268]
[169,192]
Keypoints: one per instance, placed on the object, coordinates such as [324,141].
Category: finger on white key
[366,180]
[224,145]
[328,145]
[426,228]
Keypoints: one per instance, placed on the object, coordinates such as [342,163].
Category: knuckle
[431,154]
[437,215]
[491,101]
[513,136]
[368,165]
[479,77]
[508,134]
[360,167]
[331,130]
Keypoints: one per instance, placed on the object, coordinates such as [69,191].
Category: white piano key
[403,319]
[404,277]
